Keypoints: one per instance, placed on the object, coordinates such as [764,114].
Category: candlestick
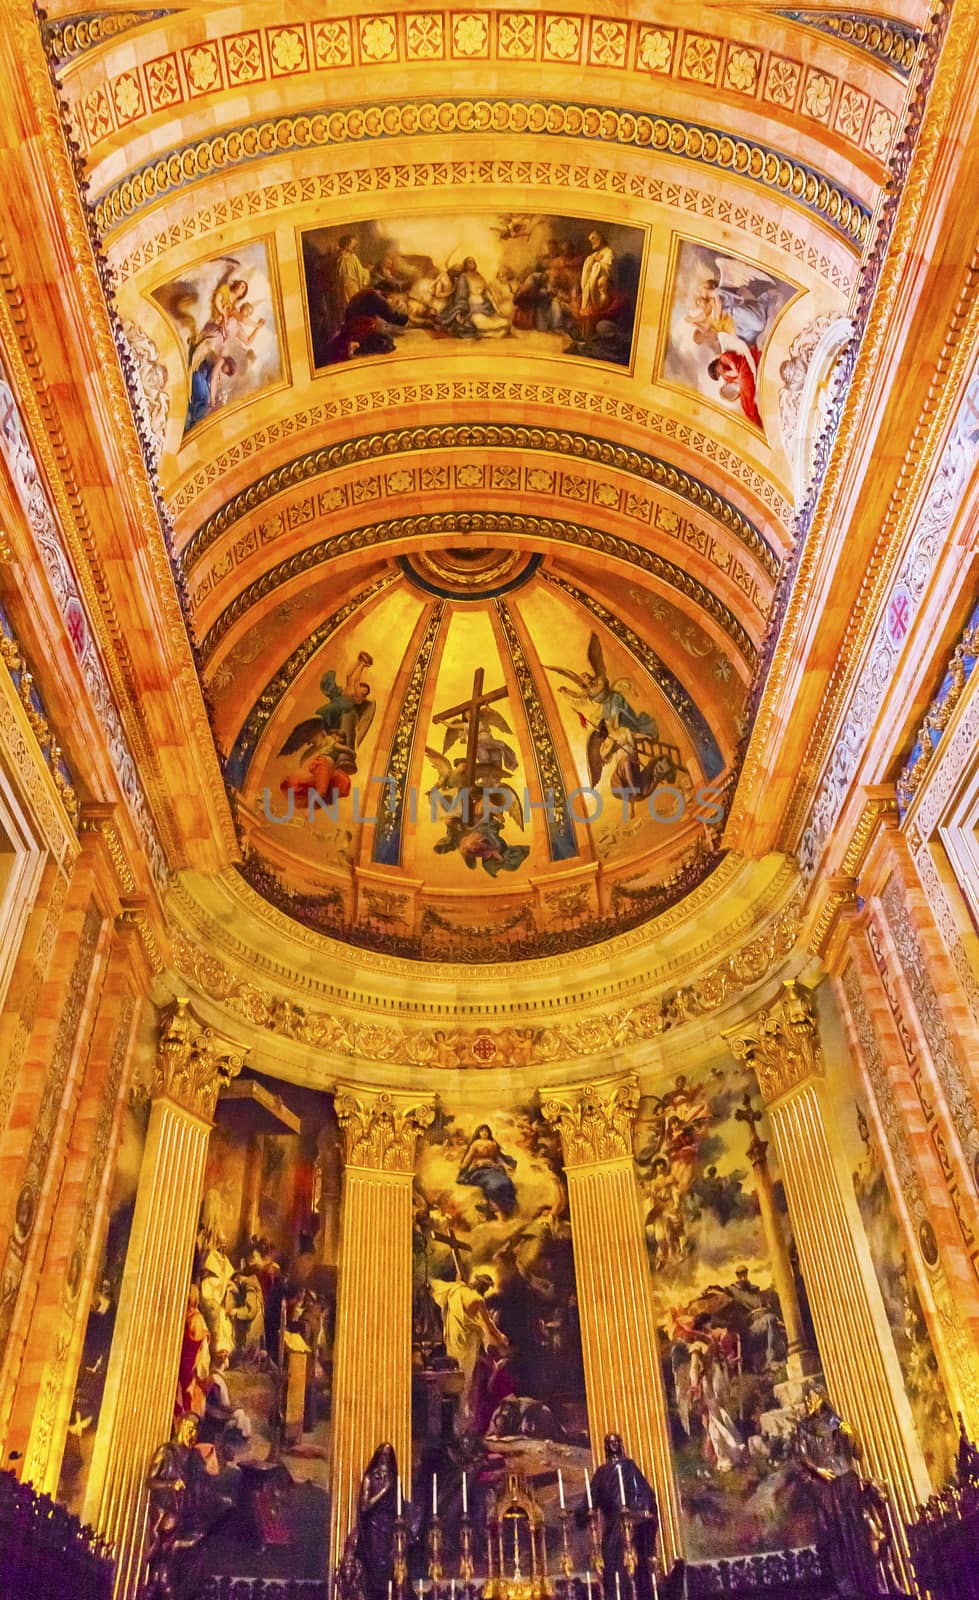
[618,1588]
[390,1588]
[621,1483]
[588,1490]
[399,1494]
[465,1495]
[588,1573]
[560,1487]
[435,1494]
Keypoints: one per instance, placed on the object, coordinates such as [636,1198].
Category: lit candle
[399,1494]
[435,1494]
[390,1588]
[655,1584]
[588,1489]
[588,1579]
[621,1484]
[560,1487]
[465,1495]
[453,1586]
[618,1587]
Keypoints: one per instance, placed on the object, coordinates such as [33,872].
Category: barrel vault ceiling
[486,340]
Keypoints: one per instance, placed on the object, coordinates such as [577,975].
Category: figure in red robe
[736,375]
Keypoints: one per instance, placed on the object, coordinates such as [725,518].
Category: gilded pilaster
[623,1377]
[372,1372]
[192,1062]
[43,1405]
[859,1361]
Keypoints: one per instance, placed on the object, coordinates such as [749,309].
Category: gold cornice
[552,529]
[13,660]
[780,1043]
[875,813]
[799,187]
[955,60]
[595,1121]
[841,893]
[47,438]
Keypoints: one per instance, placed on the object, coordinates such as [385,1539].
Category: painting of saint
[223,312]
[622,743]
[722,312]
[558,285]
[329,740]
[723,1339]
[471,789]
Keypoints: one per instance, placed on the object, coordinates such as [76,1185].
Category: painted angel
[735,299]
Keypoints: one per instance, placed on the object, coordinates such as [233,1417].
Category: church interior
[489,1103]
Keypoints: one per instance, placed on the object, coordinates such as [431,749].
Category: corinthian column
[623,1377]
[859,1360]
[192,1063]
[372,1370]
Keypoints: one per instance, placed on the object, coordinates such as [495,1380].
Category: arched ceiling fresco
[478,347]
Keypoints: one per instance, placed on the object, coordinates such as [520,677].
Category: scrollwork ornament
[381,1131]
[595,1122]
[192,1062]
[781,1043]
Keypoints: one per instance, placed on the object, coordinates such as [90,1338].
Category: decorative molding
[886,39]
[835,901]
[581,448]
[30,698]
[449,523]
[193,1062]
[95,820]
[781,1043]
[595,1122]
[841,212]
[381,1131]
[877,810]
[65,39]
[925,749]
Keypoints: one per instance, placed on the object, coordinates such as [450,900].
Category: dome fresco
[488,749]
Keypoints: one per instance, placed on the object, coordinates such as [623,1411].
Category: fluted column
[858,1355]
[192,1063]
[623,1376]
[372,1360]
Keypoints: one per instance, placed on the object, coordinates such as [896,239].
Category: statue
[376,1514]
[851,1515]
[184,1507]
[351,1579]
[620,1482]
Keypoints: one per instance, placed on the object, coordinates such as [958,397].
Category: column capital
[381,1128]
[193,1061]
[780,1043]
[595,1119]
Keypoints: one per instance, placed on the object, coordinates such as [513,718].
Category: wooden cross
[456,1245]
[748,1114]
[471,708]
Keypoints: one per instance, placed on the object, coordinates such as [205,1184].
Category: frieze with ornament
[842,213]
[29,697]
[451,523]
[636,49]
[519,1044]
[925,747]
[581,448]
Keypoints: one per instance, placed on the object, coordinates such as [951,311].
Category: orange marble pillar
[140,1385]
[42,1410]
[921,1181]
[34,1141]
[372,1358]
[859,1361]
[620,1346]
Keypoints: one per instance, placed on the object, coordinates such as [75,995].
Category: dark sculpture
[851,1514]
[184,1507]
[377,1511]
[619,1480]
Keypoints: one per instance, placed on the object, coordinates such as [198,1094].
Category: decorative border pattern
[929,736]
[376,534]
[561,836]
[500,391]
[483,436]
[29,697]
[738,68]
[886,39]
[391,806]
[702,145]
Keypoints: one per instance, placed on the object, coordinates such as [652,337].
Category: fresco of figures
[722,312]
[260,1308]
[498,1377]
[223,312]
[937,1433]
[99,1328]
[722,1330]
[559,285]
